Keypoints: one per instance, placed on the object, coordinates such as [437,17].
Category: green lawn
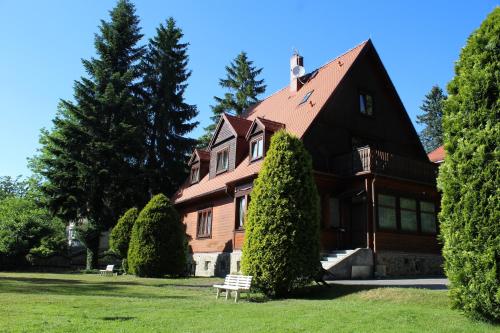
[75,302]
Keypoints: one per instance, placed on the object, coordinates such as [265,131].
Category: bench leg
[228,294]
[218,294]
[237,297]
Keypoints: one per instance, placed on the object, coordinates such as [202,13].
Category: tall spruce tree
[470,175]
[432,107]
[169,117]
[244,88]
[92,159]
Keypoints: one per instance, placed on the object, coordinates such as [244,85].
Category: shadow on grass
[117,318]
[25,285]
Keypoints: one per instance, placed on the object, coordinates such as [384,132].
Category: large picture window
[222,160]
[387,211]
[204,229]
[256,149]
[406,214]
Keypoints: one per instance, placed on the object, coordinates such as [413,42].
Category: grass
[91,303]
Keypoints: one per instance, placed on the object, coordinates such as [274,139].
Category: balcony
[369,160]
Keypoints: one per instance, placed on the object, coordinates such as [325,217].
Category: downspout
[374,224]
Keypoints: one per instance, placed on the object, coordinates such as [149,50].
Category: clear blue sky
[42,43]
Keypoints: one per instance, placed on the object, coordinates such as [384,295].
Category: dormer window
[195,174]
[366,104]
[256,148]
[222,160]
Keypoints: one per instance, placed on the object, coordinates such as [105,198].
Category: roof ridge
[246,114]
[343,54]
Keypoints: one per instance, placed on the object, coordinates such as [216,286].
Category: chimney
[295,60]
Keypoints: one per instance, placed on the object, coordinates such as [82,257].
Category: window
[306,97]
[387,211]
[366,104]
[427,217]
[413,215]
[195,174]
[408,213]
[334,212]
[256,149]
[222,160]
[204,223]
[241,210]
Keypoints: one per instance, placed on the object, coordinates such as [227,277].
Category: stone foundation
[215,263]
[391,263]
[211,264]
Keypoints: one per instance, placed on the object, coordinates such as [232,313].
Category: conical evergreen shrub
[120,235]
[157,244]
[281,248]
[470,175]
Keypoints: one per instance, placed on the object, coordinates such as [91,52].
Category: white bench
[237,283]
[108,271]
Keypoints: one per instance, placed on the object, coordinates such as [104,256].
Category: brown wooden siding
[225,132]
[340,121]
[221,239]
[389,241]
[239,238]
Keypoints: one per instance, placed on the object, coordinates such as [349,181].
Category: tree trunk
[92,254]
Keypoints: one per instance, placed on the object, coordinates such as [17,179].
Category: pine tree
[281,248]
[92,159]
[244,89]
[169,116]
[470,175]
[432,106]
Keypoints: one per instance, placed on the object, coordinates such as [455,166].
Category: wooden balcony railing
[367,159]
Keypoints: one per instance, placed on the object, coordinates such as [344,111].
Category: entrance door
[358,222]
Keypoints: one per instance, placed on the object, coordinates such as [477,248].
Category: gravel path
[426,283]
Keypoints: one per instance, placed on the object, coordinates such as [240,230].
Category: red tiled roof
[240,125]
[203,154]
[283,107]
[437,155]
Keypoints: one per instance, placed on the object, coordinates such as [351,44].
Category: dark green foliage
[432,106]
[12,187]
[157,244]
[120,235]
[26,228]
[281,248]
[165,76]
[88,235]
[92,159]
[469,177]
[244,88]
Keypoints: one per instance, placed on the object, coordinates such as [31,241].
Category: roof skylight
[306,97]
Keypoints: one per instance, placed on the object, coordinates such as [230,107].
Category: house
[437,155]
[376,185]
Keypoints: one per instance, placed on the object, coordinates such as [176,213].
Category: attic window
[222,160]
[306,97]
[195,174]
[366,104]
[256,148]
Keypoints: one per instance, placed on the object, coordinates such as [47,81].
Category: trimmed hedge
[469,177]
[281,248]
[120,235]
[157,244]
